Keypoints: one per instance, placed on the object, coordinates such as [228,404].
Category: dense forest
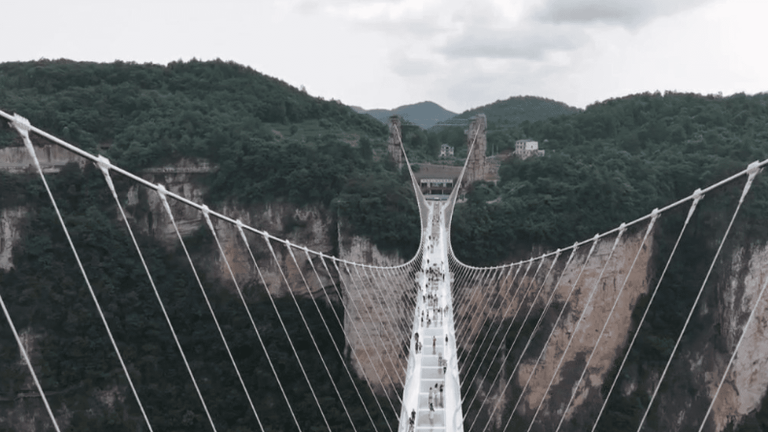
[46,296]
[613,163]
[518,109]
[271,141]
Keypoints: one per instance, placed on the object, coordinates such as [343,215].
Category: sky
[387,53]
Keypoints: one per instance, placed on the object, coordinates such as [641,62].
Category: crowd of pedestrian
[432,312]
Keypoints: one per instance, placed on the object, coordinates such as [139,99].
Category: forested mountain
[271,141]
[502,116]
[517,109]
[273,144]
[613,162]
[423,114]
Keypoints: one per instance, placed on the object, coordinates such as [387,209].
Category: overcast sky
[386,53]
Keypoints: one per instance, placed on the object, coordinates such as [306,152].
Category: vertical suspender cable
[514,318]
[581,318]
[370,357]
[497,308]
[335,345]
[575,284]
[697,196]
[525,348]
[357,332]
[22,126]
[541,354]
[301,366]
[655,214]
[104,165]
[506,332]
[752,171]
[309,331]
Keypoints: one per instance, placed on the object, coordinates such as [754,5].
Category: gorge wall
[703,355]
[692,380]
[311,226]
[525,295]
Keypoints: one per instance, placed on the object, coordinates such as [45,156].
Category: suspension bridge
[445,346]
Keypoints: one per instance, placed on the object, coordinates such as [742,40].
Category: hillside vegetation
[271,141]
[518,109]
[612,163]
[615,162]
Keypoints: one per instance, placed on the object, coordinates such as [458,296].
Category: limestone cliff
[10,232]
[529,289]
[694,376]
[709,349]
[311,226]
[584,333]
[746,384]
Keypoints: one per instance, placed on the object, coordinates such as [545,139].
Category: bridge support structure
[477,169]
[395,144]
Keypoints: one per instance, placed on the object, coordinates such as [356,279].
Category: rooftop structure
[437,179]
[446,150]
[526,148]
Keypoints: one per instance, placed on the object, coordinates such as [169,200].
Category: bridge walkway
[432,392]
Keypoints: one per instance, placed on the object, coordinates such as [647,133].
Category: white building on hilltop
[446,150]
[526,148]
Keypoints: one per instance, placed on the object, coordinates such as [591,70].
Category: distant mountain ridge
[424,114]
[518,109]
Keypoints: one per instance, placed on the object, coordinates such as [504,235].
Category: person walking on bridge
[431,413]
[434,345]
[431,397]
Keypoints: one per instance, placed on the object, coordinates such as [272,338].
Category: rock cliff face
[583,279]
[702,357]
[707,355]
[10,221]
[51,157]
[746,384]
[312,227]
[524,297]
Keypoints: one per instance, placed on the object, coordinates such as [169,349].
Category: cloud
[410,66]
[625,13]
[521,41]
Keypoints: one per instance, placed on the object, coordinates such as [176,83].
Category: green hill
[517,109]
[271,141]
[612,163]
[424,114]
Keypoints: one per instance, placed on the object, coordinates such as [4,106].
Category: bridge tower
[476,166]
[395,141]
